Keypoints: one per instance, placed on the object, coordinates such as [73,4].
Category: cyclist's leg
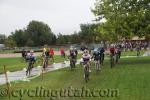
[88,70]
[71,65]
[52,57]
[27,70]
[44,63]
[111,60]
[116,55]
[99,65]
[101,59]
[89,65]
[74,62]
[95,65]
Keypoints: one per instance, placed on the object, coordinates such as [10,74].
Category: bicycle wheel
[117,58]
[71,64]
[22,60]
[39,62]
[111,62]
[86,73]
[29,69]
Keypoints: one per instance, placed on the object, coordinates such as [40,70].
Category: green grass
[132,53]
[12,64]
[130,77]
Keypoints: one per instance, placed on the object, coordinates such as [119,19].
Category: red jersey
[51,52]
[112,50]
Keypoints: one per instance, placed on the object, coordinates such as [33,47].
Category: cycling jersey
[102,50]
[112,50]
[96,56]
[47,53]
[72,54]
[86,57]
[51,52]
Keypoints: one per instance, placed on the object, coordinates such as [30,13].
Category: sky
[64,16]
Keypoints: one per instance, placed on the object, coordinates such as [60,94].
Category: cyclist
[86,58]
[117,53]
[83,48]
[31,60]
[76,53]
[23,53]
[32,56]
[112,50]
[119,47]
[97,56]
[102,55]
[27,56]
[112,54]
[138,48]
[45,54]
[72,57]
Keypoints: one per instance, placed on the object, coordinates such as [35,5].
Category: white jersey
[86,57]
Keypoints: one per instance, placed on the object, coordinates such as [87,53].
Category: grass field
[132,53]
[130,77]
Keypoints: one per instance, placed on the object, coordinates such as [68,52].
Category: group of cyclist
[97,54]
[30,57]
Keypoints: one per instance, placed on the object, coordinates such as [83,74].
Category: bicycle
[97,65]
[29,68]
[112,60]
[72,63]
[45,63]
[117,58]
[39,61]
[86,71]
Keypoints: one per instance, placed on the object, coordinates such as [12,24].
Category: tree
[19,37]
[62,39]
[75,38]
[124,18]
[88,33]
[9,42]
[40,33]
[2,38]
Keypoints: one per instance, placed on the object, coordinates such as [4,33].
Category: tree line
[123,19]
[40,34]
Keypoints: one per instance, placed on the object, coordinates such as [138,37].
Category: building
[2,46]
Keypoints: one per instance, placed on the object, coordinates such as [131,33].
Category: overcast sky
[63,16]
